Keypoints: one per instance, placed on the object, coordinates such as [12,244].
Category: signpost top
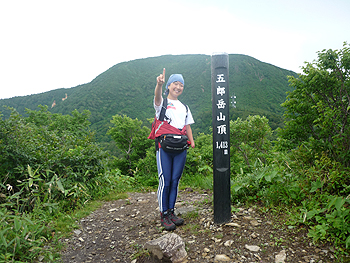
[219,53]
[219,60]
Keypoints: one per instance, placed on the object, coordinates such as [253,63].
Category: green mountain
[128,88]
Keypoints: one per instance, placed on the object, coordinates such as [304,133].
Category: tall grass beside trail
[319,203]
[51,167]
[33,220]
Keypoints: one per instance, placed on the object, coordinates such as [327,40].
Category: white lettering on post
[221,104]
[220,78]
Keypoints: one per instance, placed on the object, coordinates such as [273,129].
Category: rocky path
[118,230]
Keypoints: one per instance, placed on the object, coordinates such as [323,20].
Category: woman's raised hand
[161,78]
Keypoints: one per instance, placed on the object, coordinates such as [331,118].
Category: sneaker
[176,220]
[166,222]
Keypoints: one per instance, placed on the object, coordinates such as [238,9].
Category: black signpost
[221,137]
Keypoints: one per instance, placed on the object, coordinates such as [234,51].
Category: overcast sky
[48,44]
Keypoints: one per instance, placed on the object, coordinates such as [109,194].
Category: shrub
[250,140]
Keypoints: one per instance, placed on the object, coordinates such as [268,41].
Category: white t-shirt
[176,113]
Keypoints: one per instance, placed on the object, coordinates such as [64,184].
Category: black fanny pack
[174,143]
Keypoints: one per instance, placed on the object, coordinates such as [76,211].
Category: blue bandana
[173,78]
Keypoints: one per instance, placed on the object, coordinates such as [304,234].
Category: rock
[254,222]
[280,257]
[216,240]
[228,243]
[221,258]
[169,246]
[77,232]
[254,235]
[252,248]
[185,210]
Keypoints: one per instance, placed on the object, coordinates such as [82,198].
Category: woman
[178,119]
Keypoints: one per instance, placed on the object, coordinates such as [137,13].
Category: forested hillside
[128,88]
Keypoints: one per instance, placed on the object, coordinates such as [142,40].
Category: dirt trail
[118,230]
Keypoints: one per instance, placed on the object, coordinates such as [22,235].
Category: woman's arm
[190,135]
[158,89]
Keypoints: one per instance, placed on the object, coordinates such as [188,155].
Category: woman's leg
[164,164]
[178,165]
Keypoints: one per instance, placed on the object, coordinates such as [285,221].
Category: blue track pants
[170,168]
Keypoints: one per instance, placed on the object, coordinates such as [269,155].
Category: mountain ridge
[128,88]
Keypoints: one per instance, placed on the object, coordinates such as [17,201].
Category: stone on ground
[280,257]
[169,246]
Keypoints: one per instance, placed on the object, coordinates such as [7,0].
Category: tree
[249,140]
[131,138]
[61,144]
[317,110]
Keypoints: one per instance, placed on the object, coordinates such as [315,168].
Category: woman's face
[175,89]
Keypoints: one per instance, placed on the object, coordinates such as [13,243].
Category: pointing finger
[164,73]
